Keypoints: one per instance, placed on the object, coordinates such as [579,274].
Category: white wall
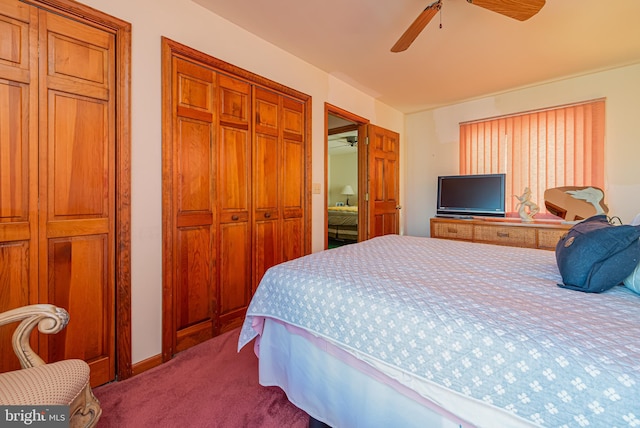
[343,170]
[196,27]
[431,138]
[428,139]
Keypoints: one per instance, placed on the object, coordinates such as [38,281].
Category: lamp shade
[347,190]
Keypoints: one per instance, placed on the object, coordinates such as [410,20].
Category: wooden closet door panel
[267,248]
[234,199]
[194,169]
[77,188]
[293,181]
[193,293]
[235,273]
[292,239]
[78,161]
[293,200]
[18,165]
[267,229]
[78,269]
[77,58]
[79,217]
[234,167]
[16,48]
[14,160]
[234,98]
[14,292]
[267,179]
[267,162]
[192,189]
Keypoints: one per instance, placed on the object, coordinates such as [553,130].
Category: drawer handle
[234,217]
[503,234]
[452,230]
[267,215]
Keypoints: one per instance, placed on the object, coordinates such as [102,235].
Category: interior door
[293,179]
[189,197]
[278,180]
[18,166]
[64,143]
[57,187]
[77,188]
[383,181]
[267,179]
[234,201]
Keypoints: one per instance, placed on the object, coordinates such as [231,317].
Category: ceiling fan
[345,141]
[516,9]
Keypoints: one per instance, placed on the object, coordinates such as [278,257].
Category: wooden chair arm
[49,319]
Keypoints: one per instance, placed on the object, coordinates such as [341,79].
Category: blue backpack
[595,255]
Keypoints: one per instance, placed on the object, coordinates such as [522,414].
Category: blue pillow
[595,255]
[633,281]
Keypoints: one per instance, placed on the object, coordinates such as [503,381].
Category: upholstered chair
[37,383]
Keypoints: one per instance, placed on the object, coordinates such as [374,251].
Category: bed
[343,223]
[407,331]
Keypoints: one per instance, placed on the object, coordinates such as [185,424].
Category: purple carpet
[208,385]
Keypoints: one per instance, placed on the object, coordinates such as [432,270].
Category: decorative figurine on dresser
[526,207]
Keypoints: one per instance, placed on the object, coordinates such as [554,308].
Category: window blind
[560,146]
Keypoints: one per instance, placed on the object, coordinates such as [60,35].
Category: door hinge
[366,140]
[366,196]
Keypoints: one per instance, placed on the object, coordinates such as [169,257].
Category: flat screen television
[465,196]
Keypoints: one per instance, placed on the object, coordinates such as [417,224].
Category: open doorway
[345,187]
[377,170]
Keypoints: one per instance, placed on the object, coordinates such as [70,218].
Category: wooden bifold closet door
[235,191]
[57,180]
[278,177]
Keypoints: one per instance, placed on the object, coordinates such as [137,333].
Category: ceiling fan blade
[416,27]
[516,9]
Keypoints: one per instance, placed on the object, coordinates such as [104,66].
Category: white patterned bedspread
[488,322]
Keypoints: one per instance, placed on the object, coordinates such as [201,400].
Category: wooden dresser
[500,231]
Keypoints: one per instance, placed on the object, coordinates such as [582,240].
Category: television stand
[501,231]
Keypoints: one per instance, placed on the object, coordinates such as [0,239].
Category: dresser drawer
[501,232]
[548,238]
[514,236]
[453,231]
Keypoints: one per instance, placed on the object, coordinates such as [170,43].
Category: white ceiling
[476,52]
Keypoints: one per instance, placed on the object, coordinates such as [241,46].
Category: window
[560,146]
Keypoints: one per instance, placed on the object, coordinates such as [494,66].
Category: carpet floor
[208,385]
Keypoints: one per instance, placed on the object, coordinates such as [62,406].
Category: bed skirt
[322,380]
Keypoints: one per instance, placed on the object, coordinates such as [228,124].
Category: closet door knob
[267,215]
[234,217]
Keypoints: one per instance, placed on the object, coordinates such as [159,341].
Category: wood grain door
[57,179]
[293,179]
[189,192]
[279,181]
[77,188]
[267,182]
[383,181]
[18,164]
[234,200]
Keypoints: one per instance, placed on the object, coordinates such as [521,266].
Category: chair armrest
[49,319]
